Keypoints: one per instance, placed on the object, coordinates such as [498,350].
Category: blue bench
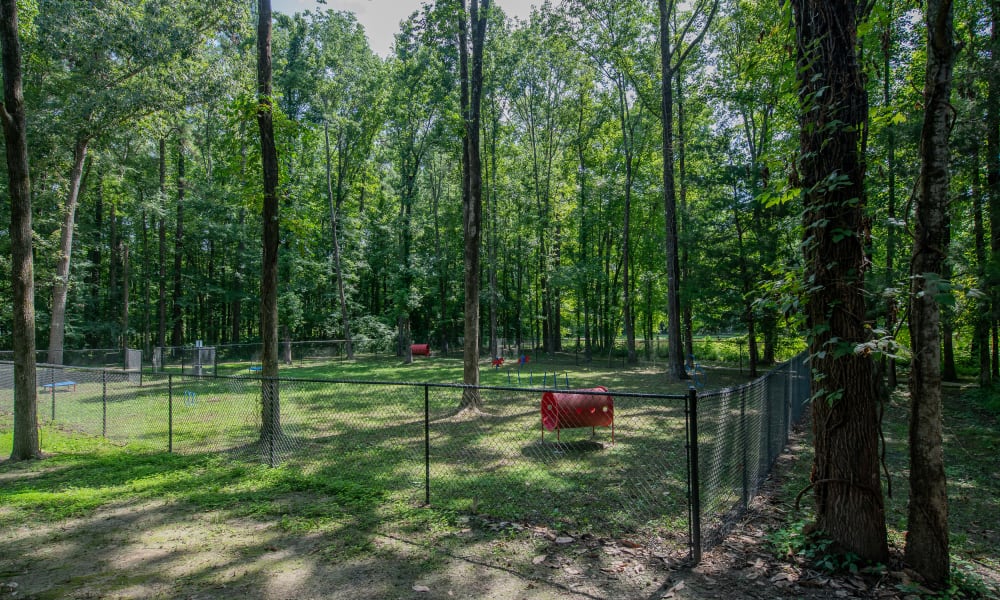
[61,384]
[255,369]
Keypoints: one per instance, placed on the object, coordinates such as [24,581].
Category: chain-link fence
[233,359]
[605,462]
[87,357]
[740,432]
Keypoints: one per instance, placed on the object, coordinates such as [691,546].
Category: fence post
[768,415]
[745,442]
[170,414]
[52,380]
[104,403]
[427,445]
[789,382]
[694,492]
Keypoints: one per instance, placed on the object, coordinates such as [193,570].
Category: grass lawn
[118,516]
[496,460]
[108,519]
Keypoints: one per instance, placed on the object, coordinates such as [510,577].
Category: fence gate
[133,365]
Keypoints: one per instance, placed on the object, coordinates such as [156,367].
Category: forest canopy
[148,131]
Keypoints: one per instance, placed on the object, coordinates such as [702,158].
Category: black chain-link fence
[87,357]
[605,462]
[741,431]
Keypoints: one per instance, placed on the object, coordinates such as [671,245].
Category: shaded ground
[172,549]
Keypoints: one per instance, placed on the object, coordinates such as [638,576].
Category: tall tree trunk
[177,320]
[747,287]
[891,308]
[114,263]
[687,317]
[583,236]
[494,267]
[555,302]
[95,306]
[628,309]
[927,523]
[993,175]
[147,305]
[675,349]
[472,205]
[403,327]
[25,443]
[982,325]
[270,430]
[335,207]
[60,287]
[210,331]
[442,272]
[833,108]
[124,299]
[236,309]
[161,302]
[236,312]
[949,371]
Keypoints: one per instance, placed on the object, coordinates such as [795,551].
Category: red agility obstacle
[424,349]
[568,410]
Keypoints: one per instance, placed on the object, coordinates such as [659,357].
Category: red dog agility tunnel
[567,410]
[424,349]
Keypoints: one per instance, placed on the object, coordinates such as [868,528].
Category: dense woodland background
[143,141]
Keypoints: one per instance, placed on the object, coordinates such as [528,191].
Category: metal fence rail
[415,442]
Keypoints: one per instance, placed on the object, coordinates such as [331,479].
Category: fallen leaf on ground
[539,559]
[421,588]
[564,540]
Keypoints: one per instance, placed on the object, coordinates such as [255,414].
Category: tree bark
[675,348]
[927,526]
[241,248]
[891,308]
[747,287]
[335,207]
[627,299]
[833,108]
[25,443]
[472,201]
[177,316]
[161,301]
[147,306]
[982,326]
[124,299]
[949,370]
[95,306]
[270,430]
[993,175]
[60,287]
[687,315]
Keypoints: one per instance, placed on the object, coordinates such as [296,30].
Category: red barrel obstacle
[567,410]
[424,349]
